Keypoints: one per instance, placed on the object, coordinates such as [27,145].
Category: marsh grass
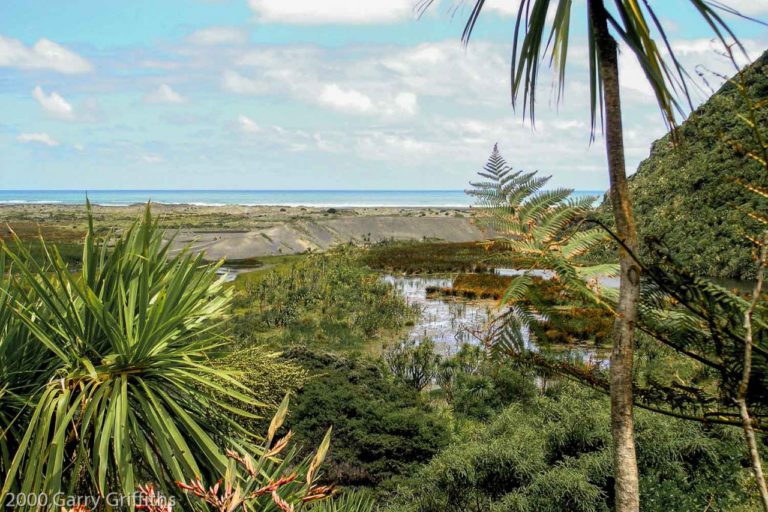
[327,301]
[435,257]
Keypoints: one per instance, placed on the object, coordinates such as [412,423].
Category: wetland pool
[452,321]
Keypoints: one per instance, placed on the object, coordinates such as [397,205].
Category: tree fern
[699,320]
[543,227]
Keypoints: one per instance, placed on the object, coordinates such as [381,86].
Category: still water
[448,321]
[451,322]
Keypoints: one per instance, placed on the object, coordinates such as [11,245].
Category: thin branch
[741,398]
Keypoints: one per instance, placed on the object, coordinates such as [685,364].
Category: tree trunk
[622,423]
[741,397]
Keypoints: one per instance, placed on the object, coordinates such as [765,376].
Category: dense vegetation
[436,257]
[412,431]
[325,301]
[688,195]
[109,381]
[382,427]
[552,453]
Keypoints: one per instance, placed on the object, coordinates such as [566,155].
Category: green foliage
[481,395]
[413,362]
[544,228]
[703,323]
[348,501]
[327,301]
[270,482]
[553,453]
[689,196]
[529,221]
[25,364]
[435,257]
[467,361]
[265,374]
[382,428]
[477,386]
[107,369]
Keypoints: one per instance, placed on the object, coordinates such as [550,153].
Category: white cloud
[748,7]
[357,12]
[78,147]
[333,11]
[44,54]
[219,36]
[275,56]
[355,102]
[568,124]
[444,69]
[164,94]
[54,104]
[407,103]
[503,7]
[382,145]
[38,138]
[233,81]
[701,55]
[152,158]
[347,100]
[248,125]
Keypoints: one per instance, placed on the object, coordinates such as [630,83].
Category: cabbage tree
[543,32]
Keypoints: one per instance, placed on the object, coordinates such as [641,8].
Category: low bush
[477,387]
[435,257]
[381,427]
[554,454]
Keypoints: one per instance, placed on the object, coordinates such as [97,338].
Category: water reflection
[448,321]
[604,281]
[231,273]
[451,322]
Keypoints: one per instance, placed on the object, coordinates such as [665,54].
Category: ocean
[316,198]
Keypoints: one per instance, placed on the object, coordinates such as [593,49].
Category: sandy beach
[243,232]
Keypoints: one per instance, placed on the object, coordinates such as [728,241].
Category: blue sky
[282,94]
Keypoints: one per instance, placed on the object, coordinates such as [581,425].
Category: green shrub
[413,362]
[477,386]
[347,501]
[689,195]
[382,428]
[554,454]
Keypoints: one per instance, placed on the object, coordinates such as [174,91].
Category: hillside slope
[687,197]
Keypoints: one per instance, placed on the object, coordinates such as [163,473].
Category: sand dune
[242,232]
[318,235]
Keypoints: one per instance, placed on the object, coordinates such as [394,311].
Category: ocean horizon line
[321,198]
[243,190]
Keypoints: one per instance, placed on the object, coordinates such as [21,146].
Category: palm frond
[542,32]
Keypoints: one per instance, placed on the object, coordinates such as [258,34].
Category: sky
[306,94]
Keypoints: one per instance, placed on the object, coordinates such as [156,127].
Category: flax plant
[107,370]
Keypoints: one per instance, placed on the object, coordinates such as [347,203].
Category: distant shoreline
[244,205]
[243,232]
[251,198]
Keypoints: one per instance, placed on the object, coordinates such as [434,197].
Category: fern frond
[582,241]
